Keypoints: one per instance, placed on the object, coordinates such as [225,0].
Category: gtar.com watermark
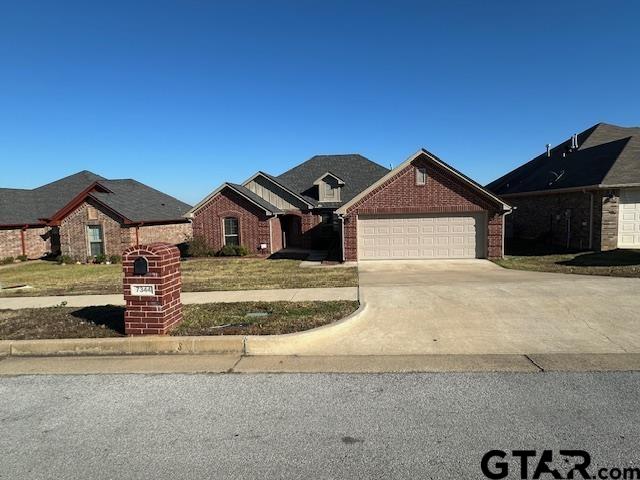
[547,464]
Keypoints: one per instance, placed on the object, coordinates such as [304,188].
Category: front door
[291,231]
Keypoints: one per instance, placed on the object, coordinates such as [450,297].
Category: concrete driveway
[475,306]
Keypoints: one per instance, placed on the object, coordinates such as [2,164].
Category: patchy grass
[201,274]
[204,319]
[618,263]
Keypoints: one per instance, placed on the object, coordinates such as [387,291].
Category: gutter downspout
[22,241]
[138,233]
[342,256]
[591,198]
[504,229]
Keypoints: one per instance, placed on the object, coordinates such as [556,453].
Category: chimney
[548,150]
[575,141]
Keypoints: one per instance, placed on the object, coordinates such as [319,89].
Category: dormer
[329,187]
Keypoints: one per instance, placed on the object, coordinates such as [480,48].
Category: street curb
[288,344]
[123,346]
[156,344]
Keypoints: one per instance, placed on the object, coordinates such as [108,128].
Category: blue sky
[185,94]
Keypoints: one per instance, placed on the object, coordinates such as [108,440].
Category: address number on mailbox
[143,290]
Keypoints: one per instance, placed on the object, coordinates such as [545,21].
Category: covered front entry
[291,231]
[629,219]
[422,236]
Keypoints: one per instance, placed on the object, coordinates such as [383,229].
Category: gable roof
[279,183]
[243,192]
[325,175]
[132,200]
[607,156]
[357,173]
[431,157]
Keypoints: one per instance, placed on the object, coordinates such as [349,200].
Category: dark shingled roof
[356,171]
[607,156]
[131,199]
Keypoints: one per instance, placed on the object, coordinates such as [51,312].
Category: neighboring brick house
[84,215]
[583,194]
[349,204]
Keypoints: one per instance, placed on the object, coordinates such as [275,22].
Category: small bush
[241,250]
[233,251]
[198,247]
[22,258]
[115,259]
[101,258]
[64,260]
[6,261]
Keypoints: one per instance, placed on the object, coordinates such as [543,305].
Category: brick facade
[157,314]
[253,223]
[564,219]
[276,234]
[117,236]
[442,193]
[73,232]
[37,242]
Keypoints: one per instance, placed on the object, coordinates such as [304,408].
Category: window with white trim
[96,240]
[421,175]
[231,231]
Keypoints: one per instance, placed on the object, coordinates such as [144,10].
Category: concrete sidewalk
[232,296]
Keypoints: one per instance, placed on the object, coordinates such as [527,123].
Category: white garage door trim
[422,236]
[629,219]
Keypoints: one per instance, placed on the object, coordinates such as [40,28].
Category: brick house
[84,215]
[422,209]
[583,193]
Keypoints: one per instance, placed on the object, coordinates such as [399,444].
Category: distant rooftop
[606,156]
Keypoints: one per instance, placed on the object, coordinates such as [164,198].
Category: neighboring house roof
[357,173]
[130,199]
[243,192]
[607,156]
[430,157]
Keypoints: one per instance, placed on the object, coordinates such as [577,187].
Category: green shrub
[241,250]
[198,247]
[227,251]
[115,259]
[233,251]
[22,258]
[101,258]
[64,260]
[6,261]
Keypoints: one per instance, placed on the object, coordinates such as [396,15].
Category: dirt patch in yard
[246,318]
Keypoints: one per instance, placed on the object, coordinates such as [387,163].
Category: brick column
[152,290]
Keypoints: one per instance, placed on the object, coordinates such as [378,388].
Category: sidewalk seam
[233,367]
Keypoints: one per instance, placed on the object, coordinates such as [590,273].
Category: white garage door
[386,237]
[629,219]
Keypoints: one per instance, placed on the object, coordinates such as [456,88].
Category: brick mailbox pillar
[152,283]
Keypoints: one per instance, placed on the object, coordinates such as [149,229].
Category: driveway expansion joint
[539,367]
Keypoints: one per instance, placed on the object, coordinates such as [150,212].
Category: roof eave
[217,191]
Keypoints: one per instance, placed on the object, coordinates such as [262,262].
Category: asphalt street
[427,426]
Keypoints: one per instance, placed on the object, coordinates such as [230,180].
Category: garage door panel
[629,219]
[421,236]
